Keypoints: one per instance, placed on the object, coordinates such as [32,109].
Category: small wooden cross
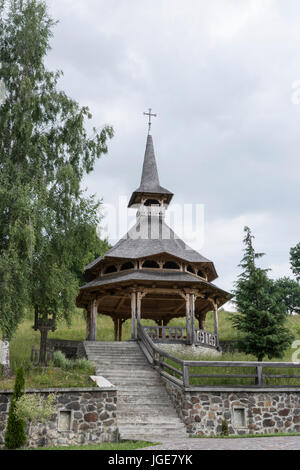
[150,115]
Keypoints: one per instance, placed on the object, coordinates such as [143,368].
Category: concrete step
[145,428]
[144,409]
[155,439]
[150,417]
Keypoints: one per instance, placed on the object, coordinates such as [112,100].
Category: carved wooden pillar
[88,321]
[133,315]
[92,321]
[138,306]
[121,321]
[192,316]
[188,319]
[216,322]
[116,329]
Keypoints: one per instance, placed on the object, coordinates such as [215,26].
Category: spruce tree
[15,436]
[289,293]
[261,313]
[295,261]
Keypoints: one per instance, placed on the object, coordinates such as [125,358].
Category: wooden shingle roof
[150,180]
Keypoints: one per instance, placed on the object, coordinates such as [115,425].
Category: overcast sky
[220,76]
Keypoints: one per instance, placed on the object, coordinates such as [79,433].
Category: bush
[15,436]
[225,430]
[35,408]
[60,360]
[84,364]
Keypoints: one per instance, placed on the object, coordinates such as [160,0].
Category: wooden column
[121,321]
[216,321]
[188,319]
[192,316]
[133,315]
[92,321]
[138,306]
[88,322]
[116,329]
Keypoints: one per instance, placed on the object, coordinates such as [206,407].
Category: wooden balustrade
[166,334]
[183,372]
[206,338]
[177,334]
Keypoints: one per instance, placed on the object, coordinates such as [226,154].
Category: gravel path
[253,443]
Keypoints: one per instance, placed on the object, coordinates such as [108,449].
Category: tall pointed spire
[150,177]
[150,185]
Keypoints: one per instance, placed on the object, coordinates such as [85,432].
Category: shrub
[35,408]
[224,430]
[61,361]
[15,436]
[84,364]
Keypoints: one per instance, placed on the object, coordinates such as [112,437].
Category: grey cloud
[219,77]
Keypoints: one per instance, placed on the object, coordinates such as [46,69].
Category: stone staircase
[144,409]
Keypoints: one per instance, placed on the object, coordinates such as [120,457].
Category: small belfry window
[190,269]
[110,269]
[151,202]
[128,265]
[171,265]
[150,263]
[201,273]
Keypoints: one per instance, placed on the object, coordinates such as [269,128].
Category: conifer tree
[289,293]
[15,436]
[261,313]
[295,261]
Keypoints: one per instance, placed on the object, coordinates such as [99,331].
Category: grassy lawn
[125,445]
[227,332]
[51,377]
[26,337]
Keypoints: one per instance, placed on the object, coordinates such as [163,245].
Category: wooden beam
[120,303]
[179,308]
[133,315]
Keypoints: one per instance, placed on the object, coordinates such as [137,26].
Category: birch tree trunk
[5,359]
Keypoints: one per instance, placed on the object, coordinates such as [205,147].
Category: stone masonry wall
[246,412]
[83,416]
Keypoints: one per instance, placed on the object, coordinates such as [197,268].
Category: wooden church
[152,274]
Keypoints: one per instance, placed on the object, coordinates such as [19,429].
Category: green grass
[227,332]
[125,445]
[51,377]
[26,337]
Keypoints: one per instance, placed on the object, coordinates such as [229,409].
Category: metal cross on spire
[150,115]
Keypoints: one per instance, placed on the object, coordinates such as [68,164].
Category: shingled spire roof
[150,181]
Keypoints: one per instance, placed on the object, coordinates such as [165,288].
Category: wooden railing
[177,334]
[166,334]
[35,356]
[183,373]
[206,338]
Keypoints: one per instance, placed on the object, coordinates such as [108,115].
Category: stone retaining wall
[71,349]
[83,416]
[245,411]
